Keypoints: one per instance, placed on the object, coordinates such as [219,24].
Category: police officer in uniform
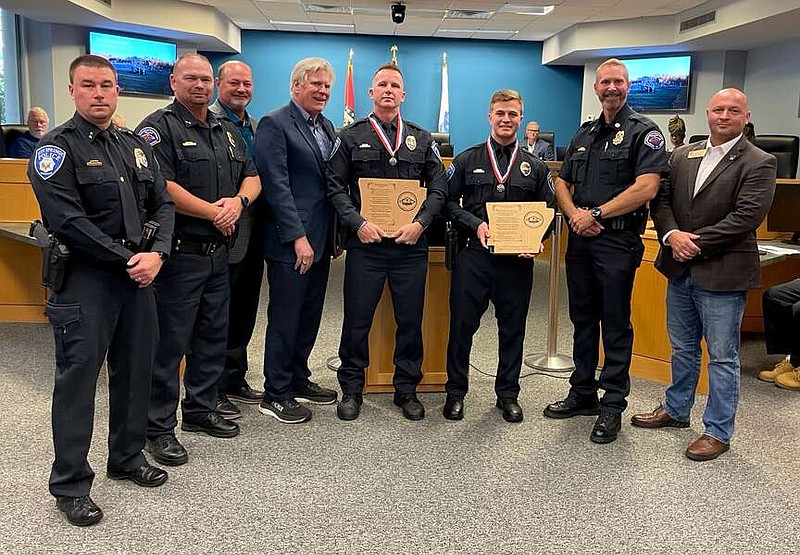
[383,146]
[612,168]
[212,179]
[96,186]
[497,170]
[246,257]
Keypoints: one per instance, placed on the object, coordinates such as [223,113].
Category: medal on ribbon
[384,139]
[501,178]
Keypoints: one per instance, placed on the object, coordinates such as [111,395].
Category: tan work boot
[781,368]
[789,380]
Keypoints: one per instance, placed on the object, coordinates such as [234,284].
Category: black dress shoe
[606,427]
[412,408]
[226,409]
[512,412]
[243,393]
[453,409]
[166,449]
[214,425]
[350,406]
[315,394]
[569,407]
[147,475]
[80,511]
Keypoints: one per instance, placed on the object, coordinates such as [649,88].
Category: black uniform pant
[480,277]
[367,268]
[99,314]
[293,317]
[781,305]
[600,273]
[193,295]
[245,279]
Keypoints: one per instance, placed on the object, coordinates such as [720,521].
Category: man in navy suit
[540,148]
[293,144]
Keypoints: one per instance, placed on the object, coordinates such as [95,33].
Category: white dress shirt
[712,157]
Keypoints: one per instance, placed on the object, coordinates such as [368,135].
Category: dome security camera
[398,13]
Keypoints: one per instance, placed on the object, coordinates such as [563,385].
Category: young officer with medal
[383,145]
[497,170]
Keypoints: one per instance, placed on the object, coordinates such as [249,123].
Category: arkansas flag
[349,96]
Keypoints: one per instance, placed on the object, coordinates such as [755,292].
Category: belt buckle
[210,248]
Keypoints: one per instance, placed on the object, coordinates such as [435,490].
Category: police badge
[141,159]
[411,142]
[618,137]
[48,160]
[525,168]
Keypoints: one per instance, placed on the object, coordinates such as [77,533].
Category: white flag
[444,107]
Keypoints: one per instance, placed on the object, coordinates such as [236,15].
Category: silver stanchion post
[551,361]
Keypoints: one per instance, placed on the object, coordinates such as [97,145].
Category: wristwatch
[162,255]
[596,213]
[245,200]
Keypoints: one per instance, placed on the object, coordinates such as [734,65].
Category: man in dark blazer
[246,257]
[706,215]
[540,148]
[293,144]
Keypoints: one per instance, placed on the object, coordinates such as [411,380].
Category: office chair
[443,143]
[785,149]
[695,138]
[10,133]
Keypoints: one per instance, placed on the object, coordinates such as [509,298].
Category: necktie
[130,206]
[322,140]
[503,156]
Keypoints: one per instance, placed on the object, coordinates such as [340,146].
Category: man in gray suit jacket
[540,148]
[706,215]
[293,145]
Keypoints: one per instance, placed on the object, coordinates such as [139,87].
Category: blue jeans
[692,314]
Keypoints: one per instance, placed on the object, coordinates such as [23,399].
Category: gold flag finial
[394,54]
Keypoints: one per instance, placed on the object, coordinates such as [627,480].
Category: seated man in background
[38,123]
[540,148]
[782,333]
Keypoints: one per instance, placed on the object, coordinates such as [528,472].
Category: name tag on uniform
[696,153]
[364,145]
[581,148]
[94,163]
[189,143]
[478,170]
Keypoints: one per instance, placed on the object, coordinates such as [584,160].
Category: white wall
[772,84]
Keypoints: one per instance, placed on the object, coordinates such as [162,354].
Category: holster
[55,265]
[451,246]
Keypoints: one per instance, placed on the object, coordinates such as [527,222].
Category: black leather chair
[443,142]
[695,138]
[11,132]
[550,137]
[785,149]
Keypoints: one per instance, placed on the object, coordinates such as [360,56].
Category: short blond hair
[506,95]
[614,62]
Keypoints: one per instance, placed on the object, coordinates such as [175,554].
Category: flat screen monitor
[143,65]
[659,84]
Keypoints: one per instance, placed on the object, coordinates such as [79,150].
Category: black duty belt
[188,246]
[625,222]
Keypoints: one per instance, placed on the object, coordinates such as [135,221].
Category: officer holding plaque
[384,146]
[497,170]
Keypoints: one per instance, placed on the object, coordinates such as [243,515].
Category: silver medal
[500,187]
[392,161]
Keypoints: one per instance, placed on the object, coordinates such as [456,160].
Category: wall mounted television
[143,65]
[659,84]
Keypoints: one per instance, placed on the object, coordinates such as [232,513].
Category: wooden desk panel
[17,201]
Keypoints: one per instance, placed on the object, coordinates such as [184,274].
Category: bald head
[235,86]
[727,114]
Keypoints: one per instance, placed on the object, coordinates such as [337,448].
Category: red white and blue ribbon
[501,178]
[398,140]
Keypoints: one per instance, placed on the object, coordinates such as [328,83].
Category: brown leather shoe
[706,448]
[657,419]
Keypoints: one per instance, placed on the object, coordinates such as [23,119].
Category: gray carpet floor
[383,484]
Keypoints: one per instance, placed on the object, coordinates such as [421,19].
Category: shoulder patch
[654,140]
[451,169]
[149,135]
[435,149]
[48,160]
[336,146]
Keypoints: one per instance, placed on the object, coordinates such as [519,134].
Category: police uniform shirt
[79,187]
[470,178]
[209,160]
[604,159]
[358,152]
